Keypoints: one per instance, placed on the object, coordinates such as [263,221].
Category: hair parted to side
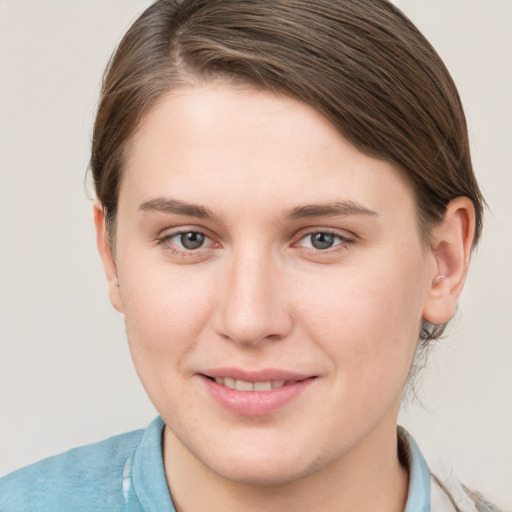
[361,63]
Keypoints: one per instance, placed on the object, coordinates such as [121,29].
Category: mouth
[255,393]
[244,385]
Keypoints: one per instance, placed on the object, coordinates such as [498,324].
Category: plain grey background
[65,372]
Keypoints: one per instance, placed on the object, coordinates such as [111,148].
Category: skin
[258,295]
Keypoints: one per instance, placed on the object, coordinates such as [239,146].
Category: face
[272,279]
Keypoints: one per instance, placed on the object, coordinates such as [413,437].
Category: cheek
[165,309]
[368,319]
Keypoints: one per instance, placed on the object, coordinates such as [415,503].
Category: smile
[255,393]
[243,385]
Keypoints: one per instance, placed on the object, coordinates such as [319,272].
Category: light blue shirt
[126,474]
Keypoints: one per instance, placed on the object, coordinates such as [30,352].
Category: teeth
[230,383]
[262,386]
[242,385]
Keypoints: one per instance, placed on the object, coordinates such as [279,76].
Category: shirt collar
[147,473]
[418,499]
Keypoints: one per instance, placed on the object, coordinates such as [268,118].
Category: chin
[254,473]
[261,466]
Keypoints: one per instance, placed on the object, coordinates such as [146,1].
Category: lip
[255,376]
[255,403]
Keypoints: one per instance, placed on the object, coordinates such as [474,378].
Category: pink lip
[255,403]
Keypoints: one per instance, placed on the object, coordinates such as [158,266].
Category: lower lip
[256,403]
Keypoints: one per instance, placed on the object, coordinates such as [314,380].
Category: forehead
[239,146]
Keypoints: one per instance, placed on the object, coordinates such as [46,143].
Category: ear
[105,250]
[450,255]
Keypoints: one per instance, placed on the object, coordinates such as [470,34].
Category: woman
[286,205]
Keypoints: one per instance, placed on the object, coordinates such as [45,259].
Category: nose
[253,306]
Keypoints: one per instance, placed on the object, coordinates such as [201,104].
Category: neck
[368,478]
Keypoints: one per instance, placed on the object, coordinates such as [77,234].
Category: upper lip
[264,375]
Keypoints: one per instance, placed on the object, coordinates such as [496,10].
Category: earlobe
[105,250]
[450,255]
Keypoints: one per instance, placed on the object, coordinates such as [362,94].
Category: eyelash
[343,241]
[165,241]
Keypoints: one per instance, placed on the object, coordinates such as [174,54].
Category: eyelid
[165,236]
[170,231]
[343,236]
[342,233]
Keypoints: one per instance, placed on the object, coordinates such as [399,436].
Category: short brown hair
[361,63]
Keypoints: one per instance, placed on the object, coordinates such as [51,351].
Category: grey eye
[192,240]
[322,240]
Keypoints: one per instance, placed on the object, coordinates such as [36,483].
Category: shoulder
[428,492]
[452,496]
[82,479]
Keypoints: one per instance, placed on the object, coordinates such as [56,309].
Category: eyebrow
[336,208]
[177,207]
